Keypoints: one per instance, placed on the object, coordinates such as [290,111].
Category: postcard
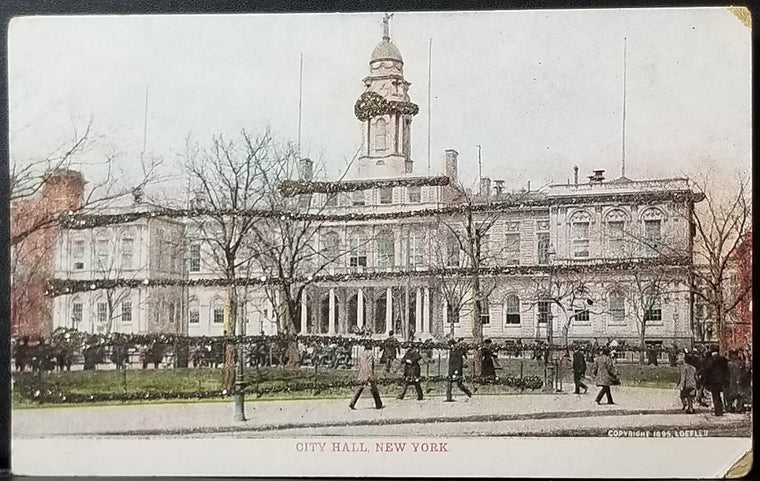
[394,244]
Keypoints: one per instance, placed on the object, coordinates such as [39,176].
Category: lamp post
[549,324]
[239,384]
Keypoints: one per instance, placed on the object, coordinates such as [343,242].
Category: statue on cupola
[386,113]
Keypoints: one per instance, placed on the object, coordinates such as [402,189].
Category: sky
[540,91]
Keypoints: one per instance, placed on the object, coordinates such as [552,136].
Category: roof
[385,50]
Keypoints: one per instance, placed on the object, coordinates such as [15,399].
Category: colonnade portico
[340,310]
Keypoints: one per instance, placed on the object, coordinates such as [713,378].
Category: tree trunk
[477,326]
[642,346]
[228,375]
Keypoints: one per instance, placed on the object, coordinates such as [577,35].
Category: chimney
[528,186]
[64,189]
[307,169]
[451,164]
[575,174]
[597,178]
[485,186]
[499,186]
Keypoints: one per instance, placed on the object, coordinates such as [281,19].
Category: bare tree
[644,293]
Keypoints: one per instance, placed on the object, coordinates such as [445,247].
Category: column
[426,327]
[331,320]
[360,309]
[418,312]
[388,310]
[304,318]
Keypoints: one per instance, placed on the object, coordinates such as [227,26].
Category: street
[560,414]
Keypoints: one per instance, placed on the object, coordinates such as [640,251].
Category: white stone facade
[566,233]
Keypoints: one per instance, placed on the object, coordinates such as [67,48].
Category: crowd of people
[706,377]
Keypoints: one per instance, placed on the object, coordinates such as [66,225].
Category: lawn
[299,383]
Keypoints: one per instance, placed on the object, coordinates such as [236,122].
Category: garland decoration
[371,104]
[59,287]
[68,338]
[51,395]
[73,220]
[290,188]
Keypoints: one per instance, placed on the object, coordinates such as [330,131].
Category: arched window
[452,251]
[579,232]
[194,313]
[615,221]
[381,135]
[617,307]
[385,250]
[217,311]
[415,248]
[512,310]
[651,220]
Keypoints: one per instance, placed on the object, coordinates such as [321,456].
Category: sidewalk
[268,417]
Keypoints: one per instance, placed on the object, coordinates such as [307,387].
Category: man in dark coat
[732,393]
[715,377]
[411,362]
[579,370]
[456,369]
[390,350]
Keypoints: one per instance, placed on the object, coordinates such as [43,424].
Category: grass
[207,379]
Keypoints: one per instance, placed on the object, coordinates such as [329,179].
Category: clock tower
[386,114]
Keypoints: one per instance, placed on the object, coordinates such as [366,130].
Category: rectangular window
[331,200]
[77,310]
[102,312]
[615,233]
[386,195]
[543,248]
[652,236]
[126,311]
[304,201]
[451,316]
[582,316]
[544,311]
[617,308]
[171,311]
[485,312]
[407,137]
[653,311]
[512,248]
[513,310]
[101,253]
[194,316]
[415,194]
[195,258]
[385,254]
[357,198]
[415,250]
[218,315]
[127,253]
[78,255]
[358,254]
[580,239]
[452,252]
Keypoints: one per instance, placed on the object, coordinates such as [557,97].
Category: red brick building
[34,235]
[739,334]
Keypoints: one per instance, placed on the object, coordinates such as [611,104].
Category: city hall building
[591,258]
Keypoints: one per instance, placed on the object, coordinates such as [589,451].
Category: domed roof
[385,50]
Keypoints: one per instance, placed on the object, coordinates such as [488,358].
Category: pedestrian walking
[489,362]
[366,377]
[687,383]
[579,370]
[715,374]
[22,354]
[456,370]
[604,375]
[391,349]
[411,363]
[673,355]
